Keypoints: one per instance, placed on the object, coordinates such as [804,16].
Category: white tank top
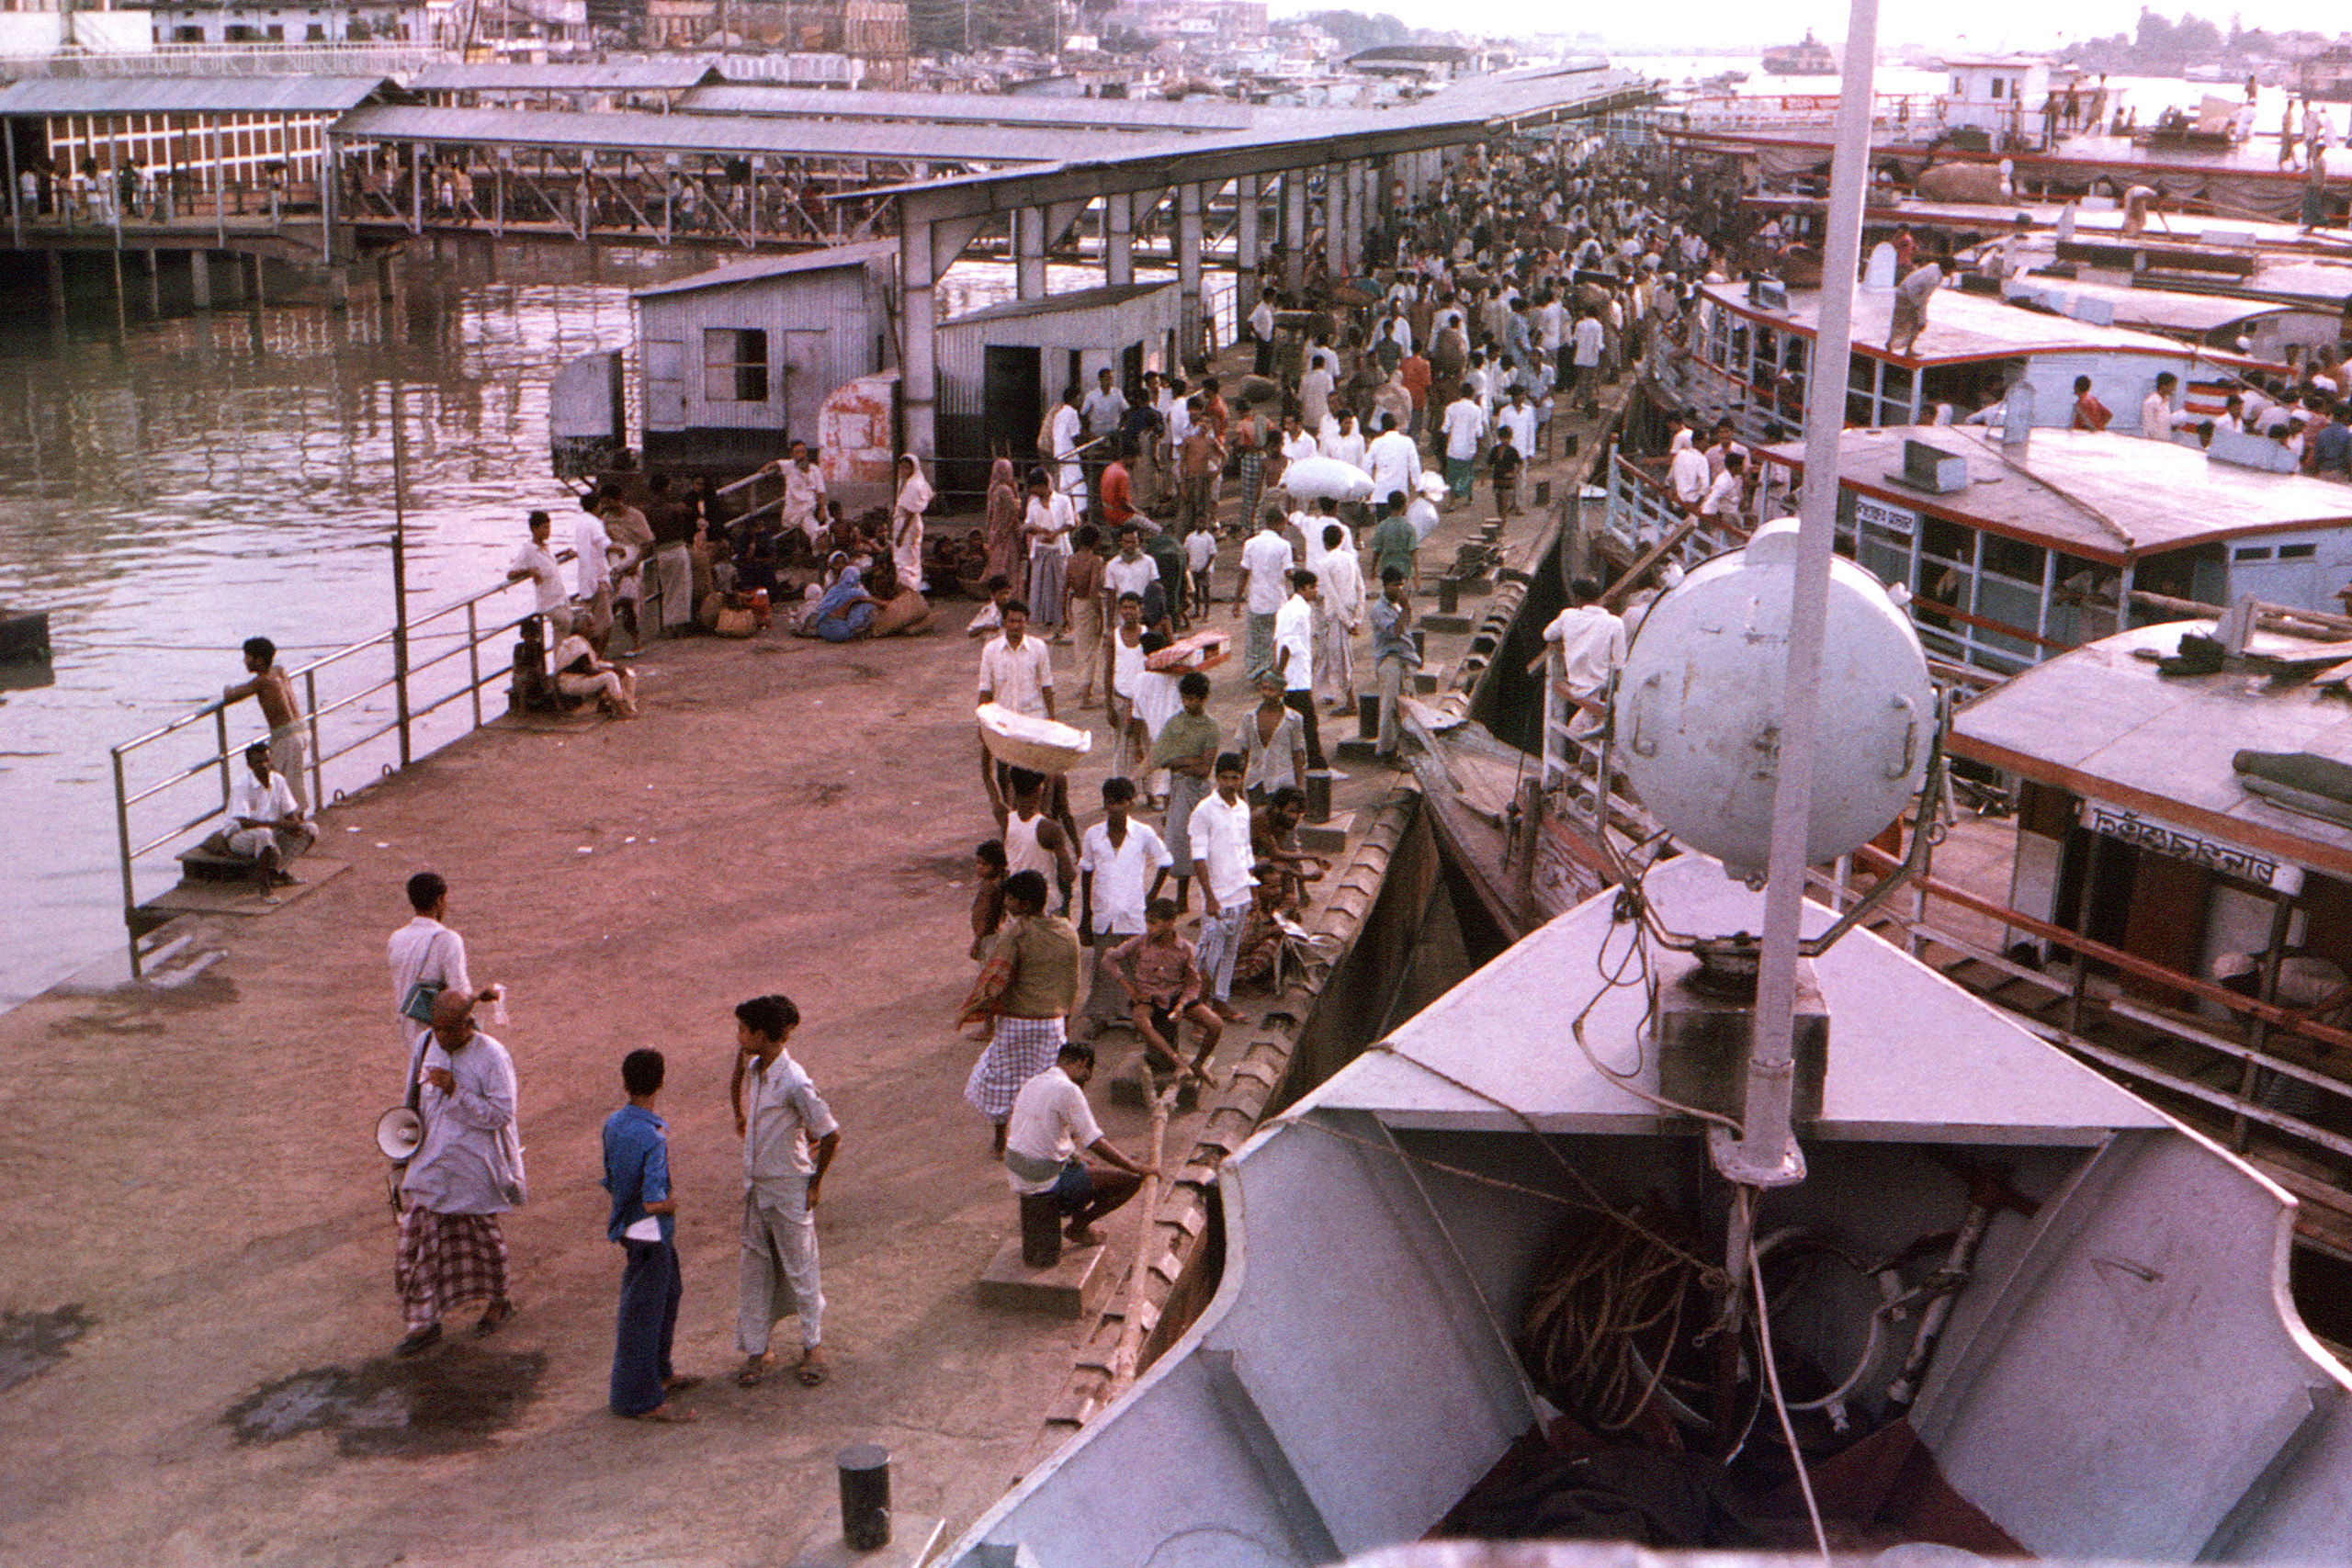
[1126,665]
[1022,851]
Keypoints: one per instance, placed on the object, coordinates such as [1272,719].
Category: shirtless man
[273,690]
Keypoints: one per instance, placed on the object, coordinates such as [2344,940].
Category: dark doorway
[1012,401]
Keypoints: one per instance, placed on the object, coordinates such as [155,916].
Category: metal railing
[257,59]
[1642,512]
[420,683]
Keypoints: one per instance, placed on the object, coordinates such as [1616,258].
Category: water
[172,483]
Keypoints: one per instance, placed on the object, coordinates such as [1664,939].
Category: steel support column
[1188,270]
[1294,229]
[1248,192]
[919,314]
[1119,238]
[1029,253]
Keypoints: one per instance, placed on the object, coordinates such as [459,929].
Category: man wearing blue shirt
[643,1221]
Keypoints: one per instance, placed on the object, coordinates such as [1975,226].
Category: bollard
[866,1496]
[1572,443]
[1449,594]
[1543,492]
[1319,795]
[1421,643]
[1367,718]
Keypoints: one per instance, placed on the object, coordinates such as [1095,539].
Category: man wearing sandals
[467,1171]
[1052,1126]
[789,1139]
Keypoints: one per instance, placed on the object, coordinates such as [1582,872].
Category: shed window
[734,364]
[2297,552]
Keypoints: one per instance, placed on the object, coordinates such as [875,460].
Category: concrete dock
[197,1259]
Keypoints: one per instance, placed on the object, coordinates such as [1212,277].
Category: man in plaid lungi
[467,1171]
[1026,988]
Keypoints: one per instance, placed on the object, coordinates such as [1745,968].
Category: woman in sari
[1008,553]
[906,522]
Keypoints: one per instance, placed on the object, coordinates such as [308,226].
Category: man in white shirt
[1048,524]
[1016,673]
[1051,1124]
[1518,416]
[1069,428]
[1122,866]
[2155,409]
[1261,333]
[1266,563]
[1314,396]
[1722,502]
[465,1173]
[1689,478]
[1105,407]
[804,493]
[1295,656]
[1345,442]
[536,562]
[266,827]
[1591,643]
[1464,425]
[789,1139]
[1586,340]
[1219,831]
[426,952]
[1393,459]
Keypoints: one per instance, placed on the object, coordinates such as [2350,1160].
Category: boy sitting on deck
[1163,979]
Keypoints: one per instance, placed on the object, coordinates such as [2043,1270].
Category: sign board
[1878,515]
[2159,837]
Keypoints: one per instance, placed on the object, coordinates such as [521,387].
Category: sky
[1983,25]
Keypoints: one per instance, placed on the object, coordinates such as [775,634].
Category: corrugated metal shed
[734,137]
[38,96]
[618,76]
[763,268]
[973,109]
[1054,342]
[737,362]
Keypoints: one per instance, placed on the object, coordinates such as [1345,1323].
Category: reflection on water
[172,483]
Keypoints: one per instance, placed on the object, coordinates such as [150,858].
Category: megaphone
[398,1132]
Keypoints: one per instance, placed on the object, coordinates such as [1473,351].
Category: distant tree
[1353,30]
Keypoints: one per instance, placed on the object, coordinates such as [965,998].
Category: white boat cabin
[1752,354]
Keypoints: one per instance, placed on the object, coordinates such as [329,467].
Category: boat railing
[391,687]
[1764,111]
[1642,511]
[2251,1071]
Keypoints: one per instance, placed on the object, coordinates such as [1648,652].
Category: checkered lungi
[1019,1050]
[446,1260]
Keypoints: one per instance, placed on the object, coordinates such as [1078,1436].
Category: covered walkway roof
[733,136]
[41,95]
[671,75]
[977,108]
[1464,112]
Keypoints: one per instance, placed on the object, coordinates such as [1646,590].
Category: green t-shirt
[1393,544]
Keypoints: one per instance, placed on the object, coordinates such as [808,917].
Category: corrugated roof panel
[616,76]
[197,94]
[738,135]
[965,108]
[775,266]
[1075,299]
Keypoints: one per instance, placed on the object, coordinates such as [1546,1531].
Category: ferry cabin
[2039,549]
[1751,356]
[2135,828]
[2011,556]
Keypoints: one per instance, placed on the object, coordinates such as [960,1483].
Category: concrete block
[1009,1284]
[913,1538]
[1354,750]
[1327,838]
[1437,623]
[1424,683]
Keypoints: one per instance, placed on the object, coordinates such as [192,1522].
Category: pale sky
[1984,24]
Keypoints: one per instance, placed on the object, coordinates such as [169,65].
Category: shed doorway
[1012,399]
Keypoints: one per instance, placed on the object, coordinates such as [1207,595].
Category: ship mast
[1766,1154]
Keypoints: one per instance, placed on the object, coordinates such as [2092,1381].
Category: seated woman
[904,612]
[846,612]
[580,673]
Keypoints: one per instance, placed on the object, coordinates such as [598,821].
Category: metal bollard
[1367,718]
[866,1496]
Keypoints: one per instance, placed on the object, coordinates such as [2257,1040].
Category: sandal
[810,1373]
[755,1370]
[493,1319]
[418,1340]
